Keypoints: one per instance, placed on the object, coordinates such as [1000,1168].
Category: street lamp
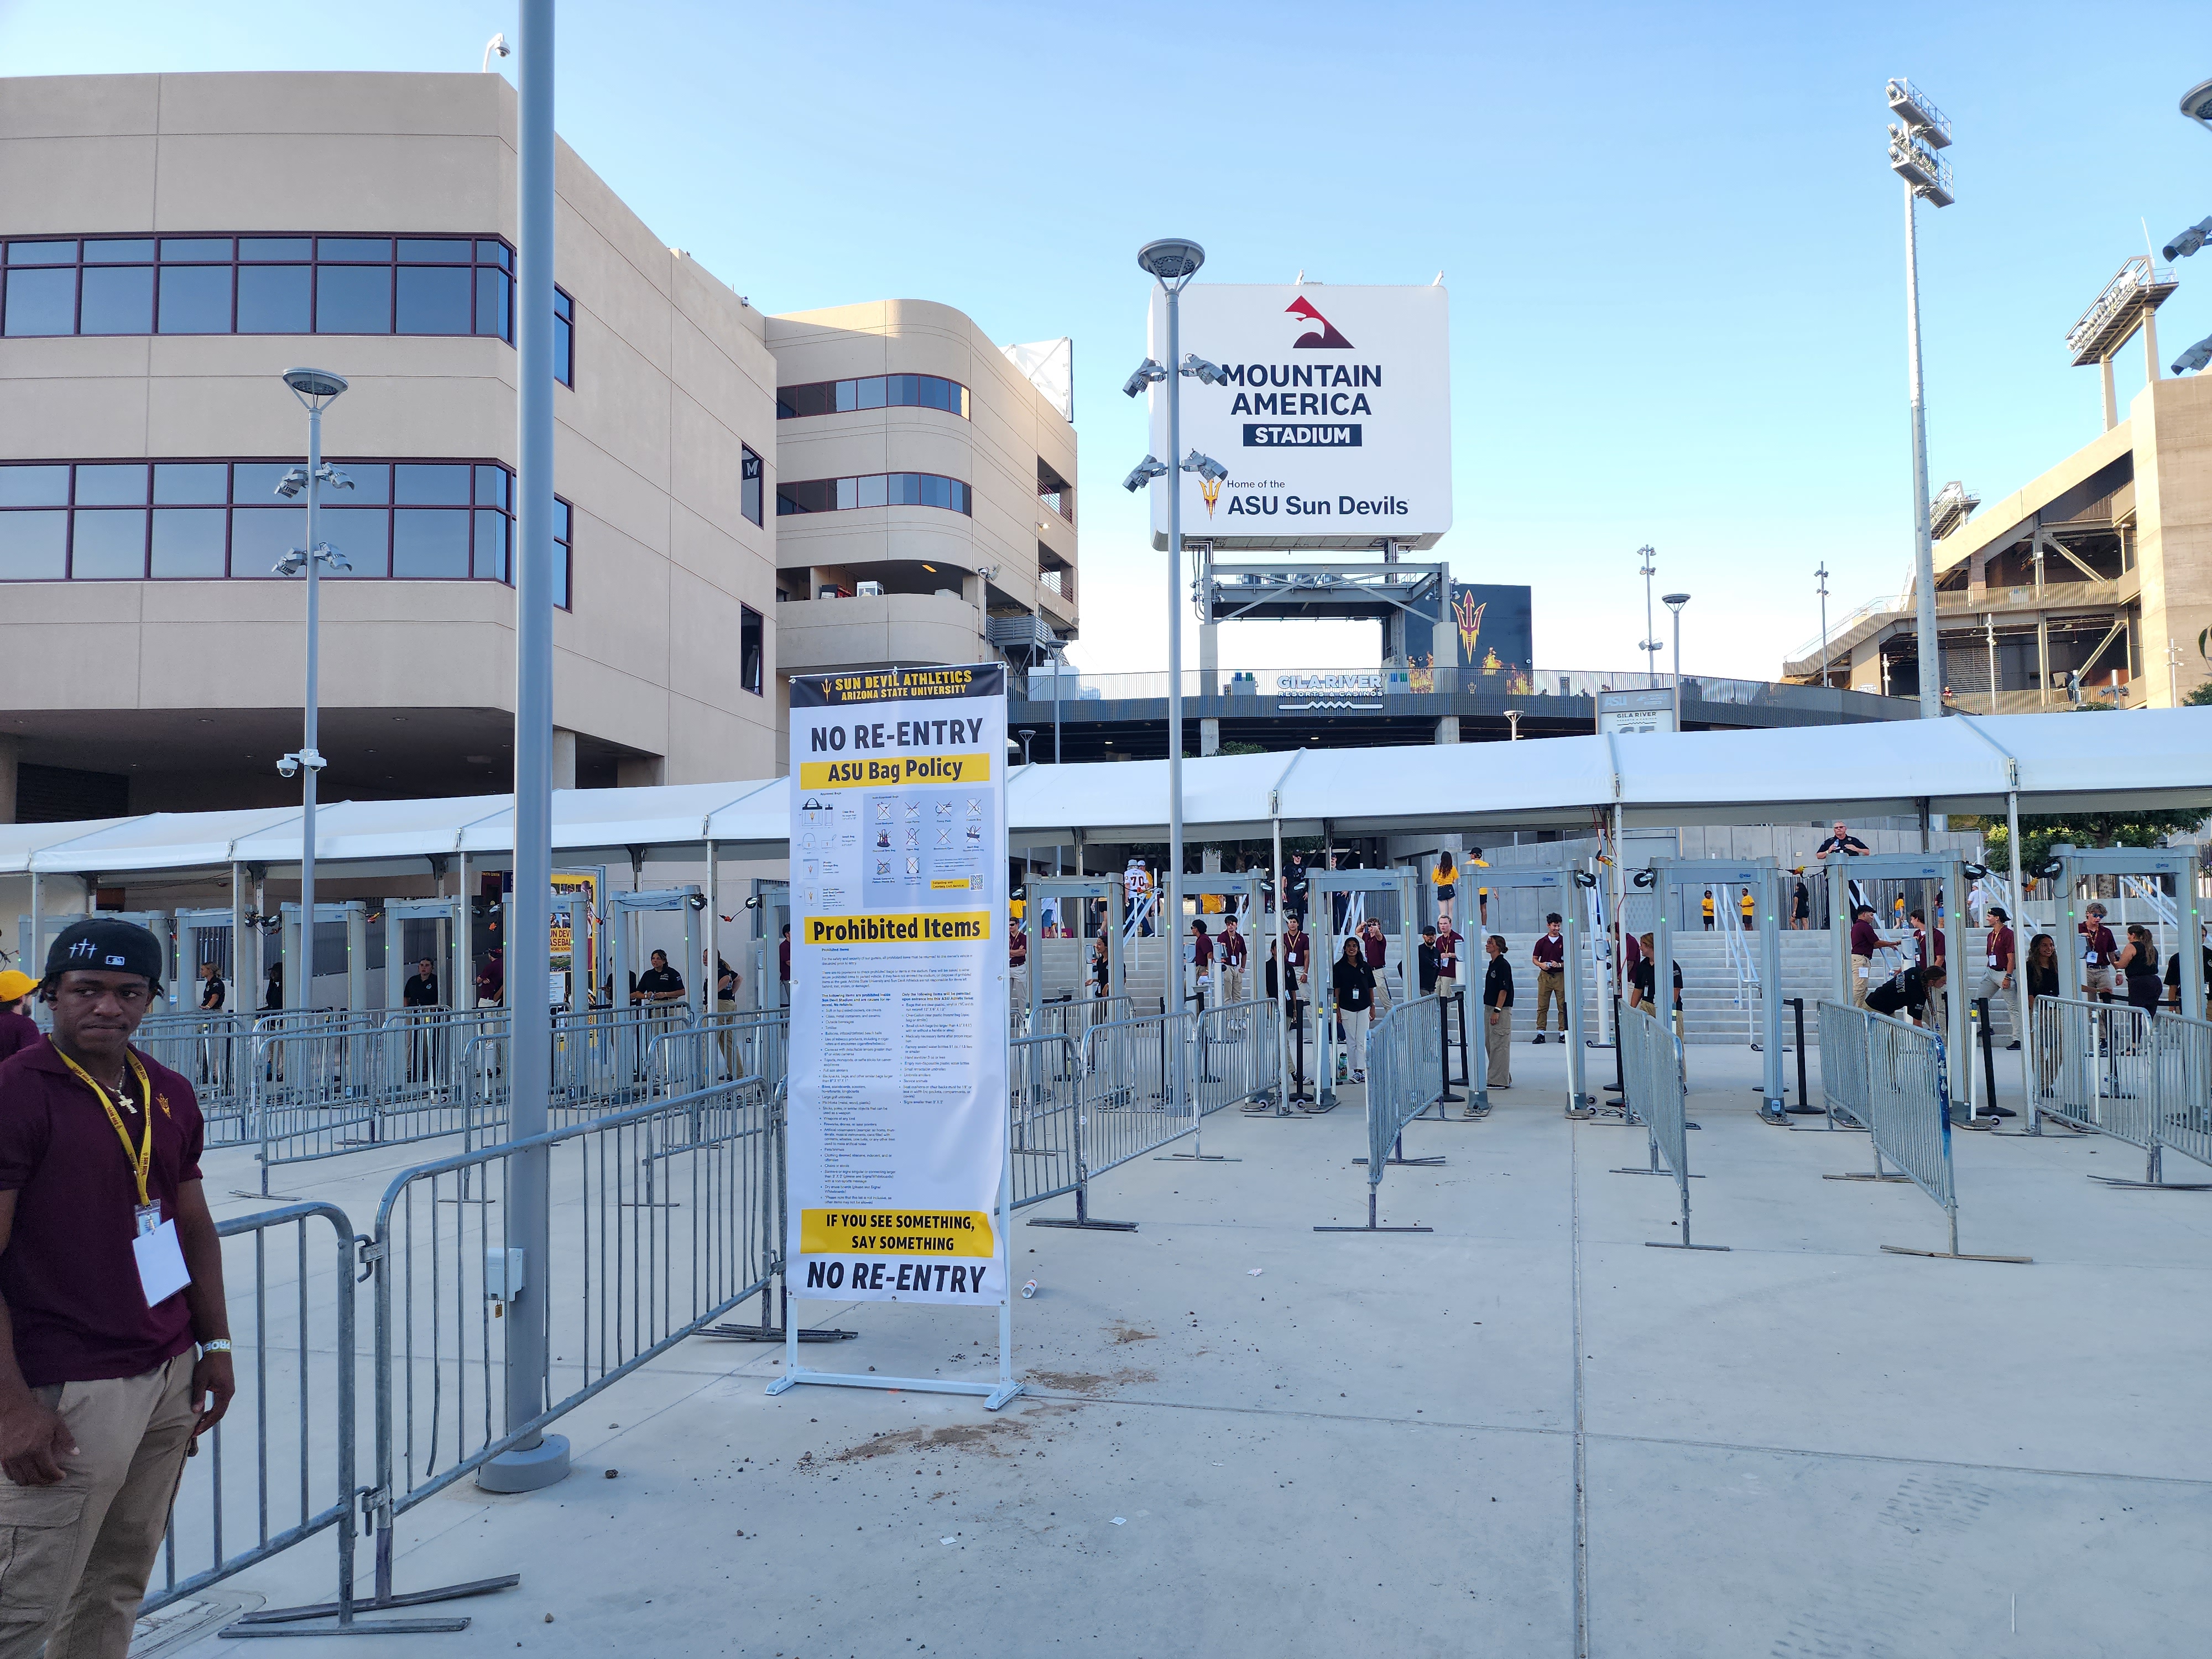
[1172,262]
[1513,720]
[1027,732]
[1919,132]
[1822,573]
[317,389]
[1650,643]
[1674,602]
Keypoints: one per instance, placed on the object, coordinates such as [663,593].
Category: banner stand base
[1669,1174]
[1195,1157]
[1955,1255]
[1862,1175]
[775,1333]
[2155,1186]
[1088,1223]
[993,1394]
[1675,1244]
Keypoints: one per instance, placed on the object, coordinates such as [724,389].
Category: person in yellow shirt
[1708,909]
[1745,905]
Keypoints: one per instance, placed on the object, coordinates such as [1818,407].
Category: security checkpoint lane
[1798,1444]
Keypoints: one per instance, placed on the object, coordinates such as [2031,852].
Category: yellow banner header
[926,927]
[896,1233]
[895,771]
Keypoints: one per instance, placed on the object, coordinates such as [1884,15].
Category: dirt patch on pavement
[1091,1382]
[959,1437]
[1121,1334]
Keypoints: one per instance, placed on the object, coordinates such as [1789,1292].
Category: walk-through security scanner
[1322,886]
[1244,890]
[1763,879]
[299,967]
[445,914]
[203,936]
[1942,880]
[2077,865]
[770,906]
[1082,892]
[1567,902]
[630,955]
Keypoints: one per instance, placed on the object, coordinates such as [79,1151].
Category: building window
[874,490]
[750,649]
[212,521]
[1054,491]
[794,402]
[749,486]
[270,285]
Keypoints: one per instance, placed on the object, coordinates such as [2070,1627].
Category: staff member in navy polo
[114,1341]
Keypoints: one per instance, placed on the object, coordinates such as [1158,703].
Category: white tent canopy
[2159,758]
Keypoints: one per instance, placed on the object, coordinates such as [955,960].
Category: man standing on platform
[1548,955]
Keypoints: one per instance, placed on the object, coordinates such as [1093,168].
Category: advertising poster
[897,1114]
[1332,415]
[568,990]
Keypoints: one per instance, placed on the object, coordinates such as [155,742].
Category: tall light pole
[1674,602]
[1172,262]
[1822,573]
[1919,132]
[1649,645]
[317,389]
[540,1459]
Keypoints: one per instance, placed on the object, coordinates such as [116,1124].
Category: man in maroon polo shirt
[114,1341]
[1548,955]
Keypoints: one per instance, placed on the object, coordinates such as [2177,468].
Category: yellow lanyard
[142,1157]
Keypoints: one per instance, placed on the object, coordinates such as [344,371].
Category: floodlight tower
[1919,132]
[1649,645]
[1822,573]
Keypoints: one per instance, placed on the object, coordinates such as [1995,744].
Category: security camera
[2196,357]
[289,766]
[292,482]
[1145,374]
[1206,373]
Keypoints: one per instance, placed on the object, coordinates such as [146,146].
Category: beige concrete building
[174,242]
[925,491]
[2095,577]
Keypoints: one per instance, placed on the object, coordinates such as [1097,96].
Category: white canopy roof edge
[2162,758]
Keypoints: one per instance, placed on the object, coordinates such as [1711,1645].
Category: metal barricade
[1405,1078]
[1076,1018]
[601,1055]
[1136,1089]
[1652,1067]
[722,1047]
[318,1090]
[2183,1083]
[1909,1111]
[1045,1077]
[1236,1055]
[295,1412]
[212,1052]
[1843,1062]
[668,1219]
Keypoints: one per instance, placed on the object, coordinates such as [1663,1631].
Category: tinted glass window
[274,300]
[564,347]
[491,486]
[372,482]
[33,486]
[122,485]
[33,546]
[262,534]
[110,544]
[196,299]
[354,248]
[494,253]
[276,247]
[42,301]
[191,483]
[419,251]
[422,485]
[750,634]
[491,558]
[434,299]
[120,252]
[188,543]
[195,247]
[353,299]
[426,544]
[117,300]
[363,534]
[42,253]
[748,497]
[495,292]
[253,484]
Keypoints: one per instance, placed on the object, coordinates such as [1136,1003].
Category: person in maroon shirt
[1548,955]
[2098,947]
[1201,961]
[1864,943]
[102,1388]
[1375,947]
[783,966]
[1232,948]
[18,1030]
[1448,942]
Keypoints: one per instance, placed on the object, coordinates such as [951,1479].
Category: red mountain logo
[1323,338]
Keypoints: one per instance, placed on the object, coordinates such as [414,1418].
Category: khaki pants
[1551,987]
[1382,996]
[1232,985]
[75,1557]
[1861,967]
[1498,1046]
[1354,1021]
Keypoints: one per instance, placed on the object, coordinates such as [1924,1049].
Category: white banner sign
[1335,421]
[898,1115]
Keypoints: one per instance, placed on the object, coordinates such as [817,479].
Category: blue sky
[1674,246]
